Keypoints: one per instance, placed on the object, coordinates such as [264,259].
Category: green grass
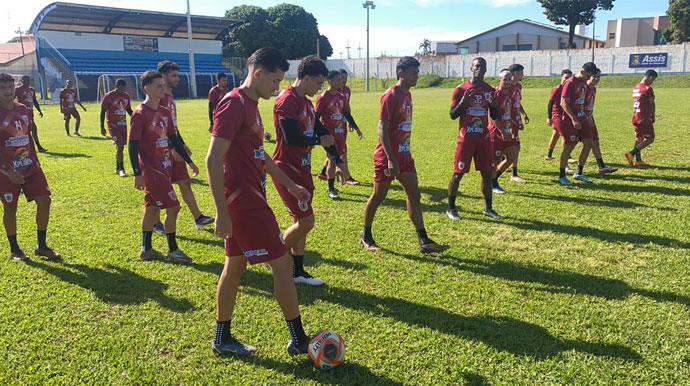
[582,285]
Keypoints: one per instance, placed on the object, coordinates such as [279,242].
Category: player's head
[222,79]
[343,74]
[565,75]
[312,72]
[649,77]
[335,80]
[594,79]
[587,70]
[171,73]
[407,70]
[68,83]
[518,71]
[505,79]
[6,88]
[26,80]
[153,84]
[266,68]
[120,85]
[478,68]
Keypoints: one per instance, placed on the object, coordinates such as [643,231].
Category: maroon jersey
[168,101]
[346,91]
[16,143]
[396,108]
[505,108]
[574,92]
[237,119]
[116,105]
[289,105]
[151,128]
[474,121]
[642,111]
[67,98]
[215,94]
[555,97]
[516,97]
[26,96]
[332,107]
[590,96]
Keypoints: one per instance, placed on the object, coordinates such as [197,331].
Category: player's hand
[189,152]
[223,226]
[299,192]
[577,124]
[195,169]
[103,131]
[14,176]
[210,128]
[653,119]
[465,98]
[40,114]
[549,122]
[327,140]
[359,133]
[526,120]
[394,167]
[139,182]
[342,174]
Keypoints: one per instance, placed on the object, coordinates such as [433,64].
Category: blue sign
[659,59]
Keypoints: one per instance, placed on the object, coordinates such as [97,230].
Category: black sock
[366,233]
[634,151]
[423,237]
[146,240]
[488,204]
[451,202]
[297,331]
[549,152]
[331,184]
[172,242]
[513,170]
[498,174]
[561,173]
[323,171]
[14,247]
[600,163]
[297,264]
[41,238]
[638,156]
[494,182]
[222,332]
[579,169]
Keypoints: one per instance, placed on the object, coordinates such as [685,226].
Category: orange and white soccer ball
[326,349]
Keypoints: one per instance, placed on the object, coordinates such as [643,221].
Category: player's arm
[38,108]
[494,113]
[179,147]
[274,171]
[387,148]
[77,101]
[351,120]
[12,174]
[129,110]
[652,107]
[522,111]
[214,172]
[321,131]
[211,106]
[457,109]
[294,137]
[103,111]
[566,108]
[549,111]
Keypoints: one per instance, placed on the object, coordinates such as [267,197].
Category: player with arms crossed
[26,95]
[68,97]
[554,113]
[644,115]
[215,94]
[115,106]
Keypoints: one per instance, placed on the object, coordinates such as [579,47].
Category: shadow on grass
[314,258]
[65,155]
[115,285]
[95,138]
[598,201]
[603,184]
[216,242]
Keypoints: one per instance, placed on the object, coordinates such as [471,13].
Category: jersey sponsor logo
[405,126]
[256,252]
[404,144]
[476,126]
[20,140]
[172,195]
[308,133]
[162,142]
[9,197]
[260,153]
[22,159]
[337,116]
[306,161]
[580,100]
[580,113]
[165,159]
[476,111]
[339,129]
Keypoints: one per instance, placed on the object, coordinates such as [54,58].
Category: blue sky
[397,26]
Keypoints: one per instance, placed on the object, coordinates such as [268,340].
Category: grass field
[582,285]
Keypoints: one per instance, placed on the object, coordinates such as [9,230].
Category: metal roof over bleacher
[121,21]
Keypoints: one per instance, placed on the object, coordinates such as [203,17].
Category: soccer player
[590,96]
[517,71]
[574,124]
[116,105]
[151,133]
[473,102]
[215,94]
[237,165]
[501,128]
[20,171]
[26,95]
[333,109]
[644,111]
[555,112]
[297,131]
[393,159]
[345,90]
[68,97]
[179,174]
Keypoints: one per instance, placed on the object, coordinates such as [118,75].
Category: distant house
[445,47]
[638,31]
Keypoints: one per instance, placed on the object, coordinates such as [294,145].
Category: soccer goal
[106,83]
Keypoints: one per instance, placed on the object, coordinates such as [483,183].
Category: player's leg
[226,297]
[77,121]
[378,194]
[187,194]
[552,144]
[170,226]
[148,218]
[330,177]
[119,159]
[9,220]
[324,169]
[410,185]
[34,134]
[42,218]
[486,187]
[514,167]
[582,160]
[295,238]
[464,151]
[596,151]
[453,186]
[563,164]
[67,119]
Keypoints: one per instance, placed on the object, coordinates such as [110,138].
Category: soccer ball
[326,349]
[267,135]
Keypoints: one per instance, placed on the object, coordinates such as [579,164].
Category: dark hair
[504,69]
[566,71]
[651,73]
[120,82]
[479,58]
[166,66]
[333,74]
[269,59]
[6,78]
[343,71]
[148,77]
[516,67]
[221,75]
[311,66]
[26,77]
[405,63]
[590,67]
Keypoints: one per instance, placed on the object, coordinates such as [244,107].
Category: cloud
[504,3]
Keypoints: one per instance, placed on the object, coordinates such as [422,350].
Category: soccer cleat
[370,245]
[517,179]
[432,247]
[305,278]
[629,157]
[639,164]
[117,171]
[19,255]
[607,169]
[178,256]
[546,157]
[122,173]
[491,213]
[322,177]
[203,220]
[67,133]
[159,228]
[294,349]
[564,181]
[452,214]
[77,134]
[498,190]
[332,194]
[232,346]
[572,161]
[581,177]
[151,254]
[352,181]
[47,253]
[42,150]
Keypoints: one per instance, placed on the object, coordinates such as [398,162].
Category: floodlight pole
[594,26]
[192,72]
[368,5]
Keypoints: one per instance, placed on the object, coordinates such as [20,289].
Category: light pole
[192,72]
[368,5]
[594,26]
[21,39]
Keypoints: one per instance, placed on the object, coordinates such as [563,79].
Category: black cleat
[295,349]
[232,346]
[432,247]
[370,245]
[491,213]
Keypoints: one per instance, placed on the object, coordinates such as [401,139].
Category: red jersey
[475,119]
[505,109]
[574,92]
[396,108]
[67,98]
[215,94]
[590,95]
[289,105]
[116,105]
[26,96]
[346,91]
[641,109]
[16,143]
[555,97]
[237,119]
[168,101]
[332,107]
[151,128]
[516,97]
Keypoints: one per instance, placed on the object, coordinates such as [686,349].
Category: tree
[325,47]
[295,30]
[255,31]
[679,18]
[573,13]
[425,46]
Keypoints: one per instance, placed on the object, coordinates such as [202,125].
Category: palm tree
[425,46]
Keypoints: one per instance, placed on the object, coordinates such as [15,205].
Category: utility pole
[21,39]
[594,25]
[368,5]
[348,49]
[192,72]
[360,50]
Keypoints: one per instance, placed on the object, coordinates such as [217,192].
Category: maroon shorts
[595,132]
[179,171]
[118,134]
[569,134]
[644,130]
[71,113]
[341,145]
[158,190]
[35,185]
[255,235]
[383,174]
[302,178]
[477,147]
[587,132]
[30,115]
